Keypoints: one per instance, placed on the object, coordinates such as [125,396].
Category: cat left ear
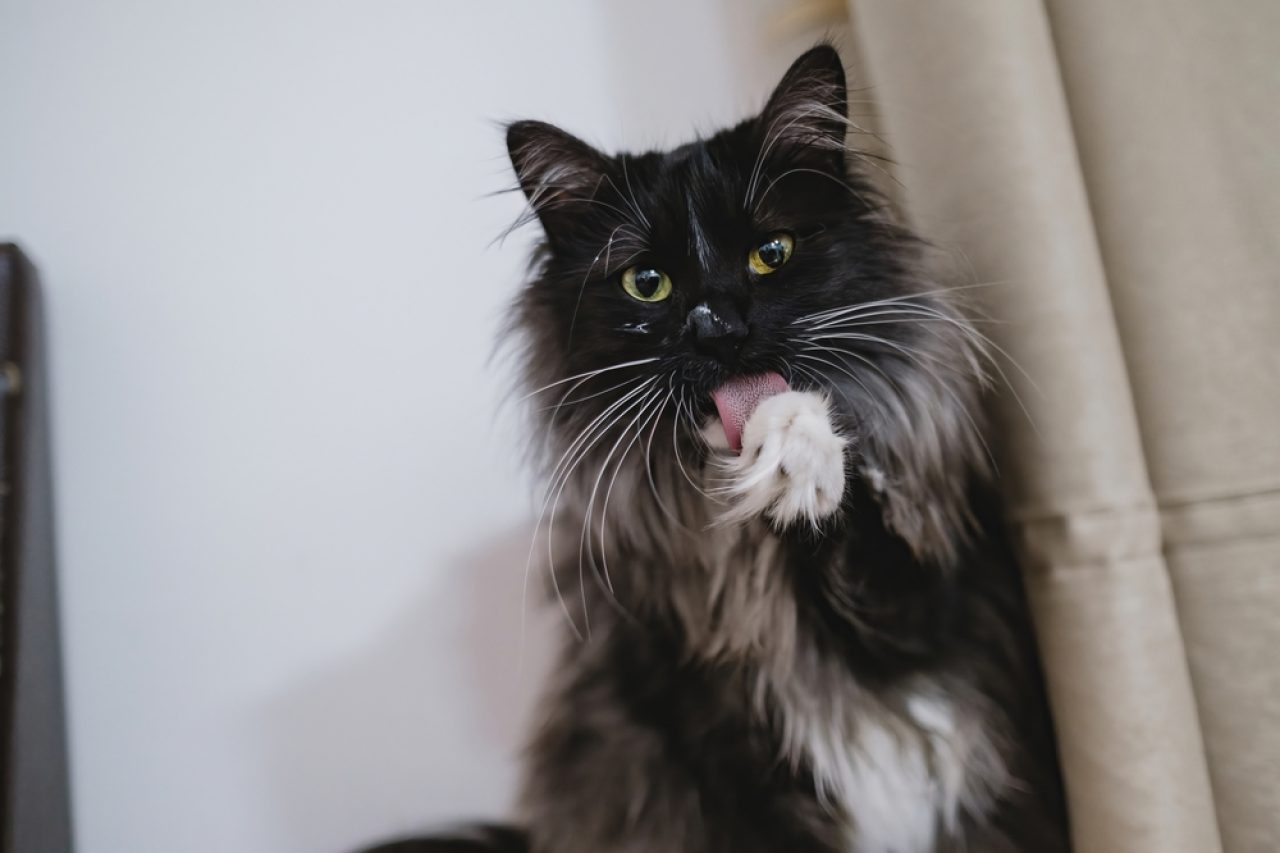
[558,172]
[807,112]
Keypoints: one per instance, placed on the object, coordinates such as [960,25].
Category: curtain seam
[1216,542]
[1039,516]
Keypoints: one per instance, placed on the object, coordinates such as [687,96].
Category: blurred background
[289,515]
[291,524]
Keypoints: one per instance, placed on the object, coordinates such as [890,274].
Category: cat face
[706,257]
[760,250]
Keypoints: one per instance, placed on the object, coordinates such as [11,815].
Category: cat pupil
[647,281]
[773,253]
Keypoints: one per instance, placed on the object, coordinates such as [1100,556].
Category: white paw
[792,463]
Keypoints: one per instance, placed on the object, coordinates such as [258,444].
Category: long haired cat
[792,624]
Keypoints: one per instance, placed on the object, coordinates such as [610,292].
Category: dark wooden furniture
[34,800]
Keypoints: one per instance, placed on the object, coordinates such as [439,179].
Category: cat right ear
[559,173]
[806,114]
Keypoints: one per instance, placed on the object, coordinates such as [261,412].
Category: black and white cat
[769,519]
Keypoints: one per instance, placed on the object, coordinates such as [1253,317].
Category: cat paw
[792,463]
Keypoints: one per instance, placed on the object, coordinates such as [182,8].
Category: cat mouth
[737,399]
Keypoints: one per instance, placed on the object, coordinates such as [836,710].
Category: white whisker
[568,462]
[584,542]
[656,401]
[588,374]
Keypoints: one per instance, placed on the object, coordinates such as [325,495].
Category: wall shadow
[350,751]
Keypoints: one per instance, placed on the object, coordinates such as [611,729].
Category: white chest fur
[901,775]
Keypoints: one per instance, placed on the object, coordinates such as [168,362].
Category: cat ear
[807,112]
[558,172]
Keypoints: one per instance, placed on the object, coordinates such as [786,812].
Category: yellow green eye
[771,254]
[646,284]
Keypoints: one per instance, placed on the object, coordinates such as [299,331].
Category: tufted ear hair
[806,116]
[559,173]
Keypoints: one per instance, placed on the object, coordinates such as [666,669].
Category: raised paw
[792,463]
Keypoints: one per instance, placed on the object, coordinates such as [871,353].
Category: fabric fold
[972,101]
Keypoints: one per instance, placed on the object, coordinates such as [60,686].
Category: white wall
[291,534]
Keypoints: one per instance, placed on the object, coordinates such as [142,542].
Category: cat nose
[718,330]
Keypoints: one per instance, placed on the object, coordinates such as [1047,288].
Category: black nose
[718,330]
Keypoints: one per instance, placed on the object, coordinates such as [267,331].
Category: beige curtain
[1115,167]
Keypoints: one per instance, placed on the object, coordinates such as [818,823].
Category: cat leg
[644,751]
[792,467]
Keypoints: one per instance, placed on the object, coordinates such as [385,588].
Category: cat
[792,622]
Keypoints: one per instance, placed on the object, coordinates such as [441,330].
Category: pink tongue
[737,399]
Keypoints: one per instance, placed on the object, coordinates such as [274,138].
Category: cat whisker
[925,360]
[808,355]
[980,343]
[566,402]
[892,312]
[675,444]
[864,309]
[815,347]
[559,477]
[606,587]
[607,251]
[648,465]
[650,409]
[563,482]
[984,346]
[817,138]
[929,363]
[537,203]
[893,400]
[584,541]
[798,170]
[971,347]
[631,195]
[549,431]
[861,321]
[596,428]
[772,135]
[904,308]
[940,291]
[588,374]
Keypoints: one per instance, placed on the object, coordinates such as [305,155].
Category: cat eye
[646,284]
[771,254]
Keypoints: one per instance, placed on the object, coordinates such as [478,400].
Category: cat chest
[900,779]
